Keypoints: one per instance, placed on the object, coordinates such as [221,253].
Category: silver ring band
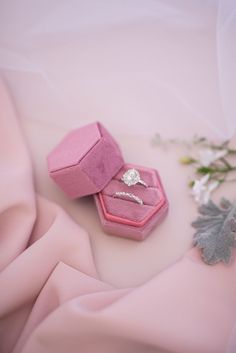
[128,195]
[132,177]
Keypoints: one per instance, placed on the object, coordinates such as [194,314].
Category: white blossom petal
[212,186]
[201,190]
[208,156]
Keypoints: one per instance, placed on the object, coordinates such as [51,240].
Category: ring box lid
[85,160]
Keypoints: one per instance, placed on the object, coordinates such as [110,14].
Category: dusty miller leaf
[216,231]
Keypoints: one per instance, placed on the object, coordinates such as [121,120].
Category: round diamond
[131,177]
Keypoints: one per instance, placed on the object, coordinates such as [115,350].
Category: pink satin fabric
[52,298]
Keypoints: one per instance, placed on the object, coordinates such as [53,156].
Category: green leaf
[204,170]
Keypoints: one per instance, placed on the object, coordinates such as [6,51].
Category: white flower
[208,156]
[201,190]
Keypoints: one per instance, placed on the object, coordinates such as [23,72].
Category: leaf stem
[226,163]
[206,170]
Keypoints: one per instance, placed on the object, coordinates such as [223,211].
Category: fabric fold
[53,299]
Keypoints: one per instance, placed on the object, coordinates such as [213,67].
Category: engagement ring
[132,177]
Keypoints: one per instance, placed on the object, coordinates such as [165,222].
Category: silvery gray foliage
[216,230]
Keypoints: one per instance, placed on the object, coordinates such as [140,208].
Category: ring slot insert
[125,217]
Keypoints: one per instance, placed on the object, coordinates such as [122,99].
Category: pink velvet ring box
[126,218]
[88,161]
[85,160]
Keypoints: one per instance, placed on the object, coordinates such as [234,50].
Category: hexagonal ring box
[88,161]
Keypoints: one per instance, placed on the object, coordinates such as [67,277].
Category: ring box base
[126,218]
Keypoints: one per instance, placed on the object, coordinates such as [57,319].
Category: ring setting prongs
[132,177]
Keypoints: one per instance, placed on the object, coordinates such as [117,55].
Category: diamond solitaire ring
[132,177]
[129,196]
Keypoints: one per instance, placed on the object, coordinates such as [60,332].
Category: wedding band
[132,177]
[128,195]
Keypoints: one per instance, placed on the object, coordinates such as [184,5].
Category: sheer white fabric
[141,66]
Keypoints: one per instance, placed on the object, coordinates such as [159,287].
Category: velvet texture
[128,209]
[85,160]
[121,228]
[116,213]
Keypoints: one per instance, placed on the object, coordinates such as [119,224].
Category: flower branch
[211,163]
